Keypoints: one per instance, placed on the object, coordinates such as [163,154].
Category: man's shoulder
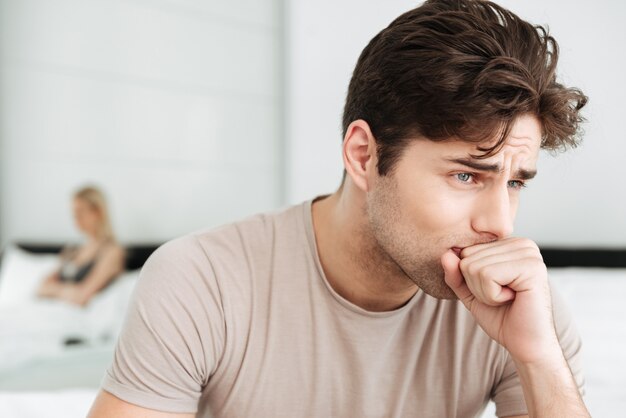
[253,230]
[251,236]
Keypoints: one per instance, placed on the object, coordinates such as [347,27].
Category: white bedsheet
[33,355]
[39,328]
[61,404]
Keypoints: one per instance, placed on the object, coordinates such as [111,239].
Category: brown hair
[464,69]
[96,200]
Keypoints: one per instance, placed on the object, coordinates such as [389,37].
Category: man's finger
[453,277]
[501,246]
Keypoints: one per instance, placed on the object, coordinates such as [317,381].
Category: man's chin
[439,290]
[429,277]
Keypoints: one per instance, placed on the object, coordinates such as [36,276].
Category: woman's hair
[96,200]
[462,69]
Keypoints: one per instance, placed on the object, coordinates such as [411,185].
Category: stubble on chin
[431,281]
[399,252]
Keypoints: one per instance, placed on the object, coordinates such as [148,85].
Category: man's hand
[504,284]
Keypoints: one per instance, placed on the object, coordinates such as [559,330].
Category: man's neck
[354,265]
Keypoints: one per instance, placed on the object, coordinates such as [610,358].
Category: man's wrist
[549,386]
[543,354]
[549,361]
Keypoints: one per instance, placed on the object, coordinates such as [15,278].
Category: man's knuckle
[473,269]
[530,244]
[530,252]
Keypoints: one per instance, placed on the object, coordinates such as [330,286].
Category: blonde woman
[88,268]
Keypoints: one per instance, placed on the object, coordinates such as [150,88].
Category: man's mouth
[457,251]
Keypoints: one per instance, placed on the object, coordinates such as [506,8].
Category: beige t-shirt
[241,322]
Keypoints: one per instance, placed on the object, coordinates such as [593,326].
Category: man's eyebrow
[522,174]
[476,165]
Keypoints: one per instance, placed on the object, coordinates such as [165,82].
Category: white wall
[172,106]
[579,198]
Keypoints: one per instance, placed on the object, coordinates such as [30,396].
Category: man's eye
[464,177]
[516,184]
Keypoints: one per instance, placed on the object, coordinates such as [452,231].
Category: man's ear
[359,154]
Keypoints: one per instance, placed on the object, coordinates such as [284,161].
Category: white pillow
[21,273]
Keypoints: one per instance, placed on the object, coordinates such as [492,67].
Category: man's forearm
[550,390]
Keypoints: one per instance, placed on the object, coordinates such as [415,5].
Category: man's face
[440,198]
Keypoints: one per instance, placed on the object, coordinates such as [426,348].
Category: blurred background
[174,108]
[192,113]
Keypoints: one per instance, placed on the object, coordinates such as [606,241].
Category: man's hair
[462,69]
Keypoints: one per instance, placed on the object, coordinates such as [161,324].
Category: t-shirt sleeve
[174,332]
[508,394]
[569,338]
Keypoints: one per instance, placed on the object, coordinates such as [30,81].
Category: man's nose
[493,214]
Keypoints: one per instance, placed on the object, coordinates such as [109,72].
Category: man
[401,294]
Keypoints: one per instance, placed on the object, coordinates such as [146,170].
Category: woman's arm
[51,286]
[107,267]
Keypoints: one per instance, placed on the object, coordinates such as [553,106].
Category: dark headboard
[136,254]
[584,257]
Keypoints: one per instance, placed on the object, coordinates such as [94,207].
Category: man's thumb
[452,273]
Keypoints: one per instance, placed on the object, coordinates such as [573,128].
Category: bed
[48,345]
[62,381]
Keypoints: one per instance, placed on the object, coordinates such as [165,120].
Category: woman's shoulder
[112,249]
[110,257]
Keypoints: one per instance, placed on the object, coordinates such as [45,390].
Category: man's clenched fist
[504,284]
